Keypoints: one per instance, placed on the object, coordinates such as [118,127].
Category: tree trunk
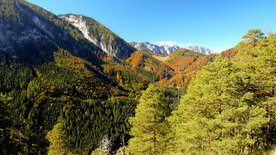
[154,131]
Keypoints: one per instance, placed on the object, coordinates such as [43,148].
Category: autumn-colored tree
[119,78]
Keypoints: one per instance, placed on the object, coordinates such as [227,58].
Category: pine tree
[56,138]
[229,107]
[253,35]
[148,123]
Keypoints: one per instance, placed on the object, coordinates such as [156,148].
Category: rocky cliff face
[23,24]
[151,48]
[101,36]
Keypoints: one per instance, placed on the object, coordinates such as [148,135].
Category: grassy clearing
[161,58]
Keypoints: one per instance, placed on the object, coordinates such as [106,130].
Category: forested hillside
[174,70]
[57,82]
[147,61]
[68,89]
[60,93]
[229,107]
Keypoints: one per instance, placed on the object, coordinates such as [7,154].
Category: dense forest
[62,94]
[229,108]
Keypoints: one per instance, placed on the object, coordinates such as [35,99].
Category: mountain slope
[50,73]
[229,54]
[24,24]
[141,59]
[188,69]
[185,64]
[175,69]
[179,59]
[100,35]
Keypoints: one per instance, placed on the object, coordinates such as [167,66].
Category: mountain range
[199,49]
[30,23]
[166,49]
[151,48]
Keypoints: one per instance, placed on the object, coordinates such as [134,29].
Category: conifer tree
[253,35]
[148,123]
[57,144]
[230,106]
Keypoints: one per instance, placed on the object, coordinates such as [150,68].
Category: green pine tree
[253,35]
[148,123]
[57,141]
[230,106]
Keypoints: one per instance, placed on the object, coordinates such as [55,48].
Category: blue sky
[216,24]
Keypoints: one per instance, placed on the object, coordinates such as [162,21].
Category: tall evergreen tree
[57,141]
[148,123]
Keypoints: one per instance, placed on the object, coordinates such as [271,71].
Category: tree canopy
[230,106]
[253,35]
[148,123]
